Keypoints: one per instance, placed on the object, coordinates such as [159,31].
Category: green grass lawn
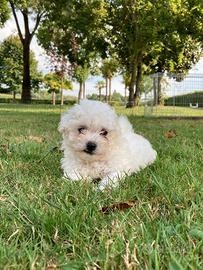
[49,223]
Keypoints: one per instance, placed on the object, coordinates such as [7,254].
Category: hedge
[185,100]
[37,101]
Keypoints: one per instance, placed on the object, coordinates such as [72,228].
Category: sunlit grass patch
[157,111]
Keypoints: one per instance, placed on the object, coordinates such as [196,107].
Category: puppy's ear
[64,123]
[124,124]
[68,118]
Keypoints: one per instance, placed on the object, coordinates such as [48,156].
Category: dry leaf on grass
[36,139]
[3,198]
[117,206]
[5,148]
[170,134]
[51,267]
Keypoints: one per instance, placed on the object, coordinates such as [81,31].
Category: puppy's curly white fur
[97,143]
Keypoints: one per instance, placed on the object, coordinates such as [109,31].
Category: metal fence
[173,95]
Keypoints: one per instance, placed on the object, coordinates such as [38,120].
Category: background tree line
[132,37]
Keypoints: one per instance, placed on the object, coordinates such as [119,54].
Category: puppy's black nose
[91,146]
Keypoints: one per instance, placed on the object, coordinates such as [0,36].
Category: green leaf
[175,265]
[197,234]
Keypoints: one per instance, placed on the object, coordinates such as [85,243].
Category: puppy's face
[90,142]
[90,130]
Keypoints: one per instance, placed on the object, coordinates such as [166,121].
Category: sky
[43,64]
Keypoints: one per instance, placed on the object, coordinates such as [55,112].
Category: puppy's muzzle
[90,148]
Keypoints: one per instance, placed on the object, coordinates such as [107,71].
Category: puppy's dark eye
[81,130]
[103,132]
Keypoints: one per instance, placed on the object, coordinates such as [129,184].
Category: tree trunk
[109,89]
[159,88]
[131,101]
[53,98]
[138,83]
[83,91]
[80,92]
[106,97]
[62,97]
[155,91]
[26,87]
[100,94]
[125,97]
[14,95]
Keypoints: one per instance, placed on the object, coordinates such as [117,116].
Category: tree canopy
[74,28]
[108,69]
[4,12]
[146,36]
[53,83]
[56,83]
[99,86]
[162,34]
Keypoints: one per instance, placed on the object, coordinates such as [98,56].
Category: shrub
[185,100]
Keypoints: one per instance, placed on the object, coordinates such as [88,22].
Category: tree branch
[16,20]
[38,19]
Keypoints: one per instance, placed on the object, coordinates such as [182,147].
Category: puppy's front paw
[110,181]
[103,184]
[73,176]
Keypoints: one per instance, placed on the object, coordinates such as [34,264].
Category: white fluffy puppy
[99,144]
